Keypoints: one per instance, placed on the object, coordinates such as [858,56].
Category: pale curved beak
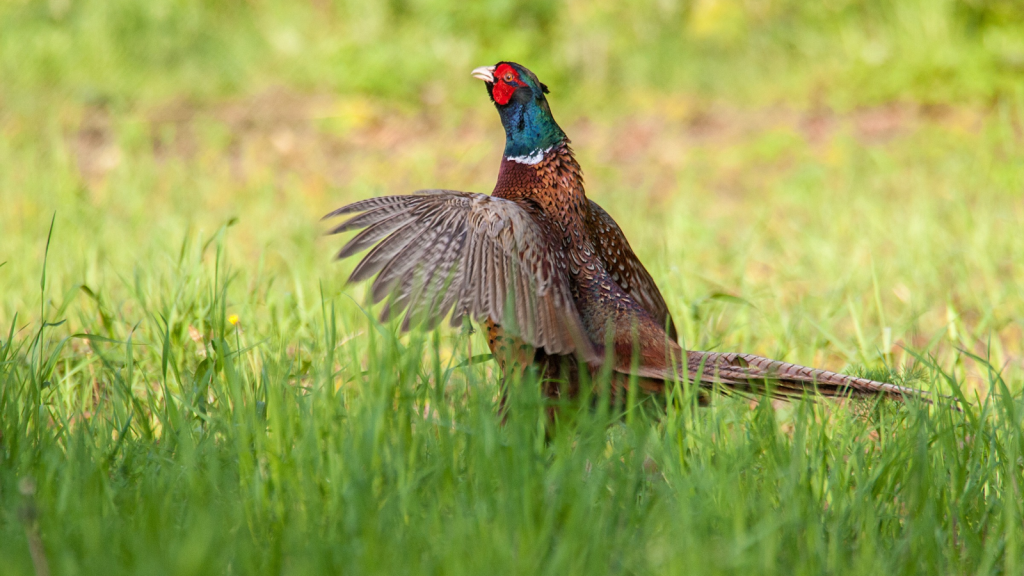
[485,73]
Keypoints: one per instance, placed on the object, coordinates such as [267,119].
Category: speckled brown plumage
[548,272]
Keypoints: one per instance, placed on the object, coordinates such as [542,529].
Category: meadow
[188,386]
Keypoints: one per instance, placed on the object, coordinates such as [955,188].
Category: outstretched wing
[472,254]
[625,268]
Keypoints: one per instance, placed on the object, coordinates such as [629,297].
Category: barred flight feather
[471,254]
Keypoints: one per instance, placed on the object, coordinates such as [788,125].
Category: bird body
[547,271]
[555,185]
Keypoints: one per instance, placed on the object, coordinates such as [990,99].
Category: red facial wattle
[506,80]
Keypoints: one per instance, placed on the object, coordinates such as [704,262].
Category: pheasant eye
[509,77]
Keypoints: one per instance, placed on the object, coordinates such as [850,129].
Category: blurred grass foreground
[188,387]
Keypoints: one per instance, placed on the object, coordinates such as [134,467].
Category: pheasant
[548,272]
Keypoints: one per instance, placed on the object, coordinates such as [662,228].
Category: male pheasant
[547,271]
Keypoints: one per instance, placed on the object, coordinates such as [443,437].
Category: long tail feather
[747,373]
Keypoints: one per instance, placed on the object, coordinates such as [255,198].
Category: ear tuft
[544,88]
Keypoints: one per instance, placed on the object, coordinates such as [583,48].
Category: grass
[187,385]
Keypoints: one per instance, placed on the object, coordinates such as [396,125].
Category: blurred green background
[187,385]
[838,52]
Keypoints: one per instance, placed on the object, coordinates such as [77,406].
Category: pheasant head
[530,129]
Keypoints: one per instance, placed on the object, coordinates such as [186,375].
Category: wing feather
[471,254]
[625,268]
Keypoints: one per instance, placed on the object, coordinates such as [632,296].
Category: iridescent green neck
[530,130]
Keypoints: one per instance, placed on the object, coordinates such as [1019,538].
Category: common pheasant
[547,271]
